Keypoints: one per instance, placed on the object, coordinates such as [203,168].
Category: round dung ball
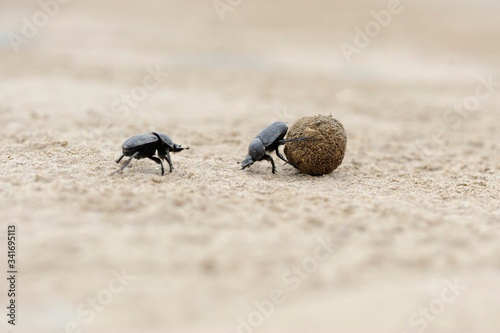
[323,152]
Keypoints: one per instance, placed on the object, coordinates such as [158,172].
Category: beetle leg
[126,163]
[293,140]
[118,160]
[167,158]
[281,157]
[270,159]
[157,160]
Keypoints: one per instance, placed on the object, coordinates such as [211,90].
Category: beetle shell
[136,142]
[166,139]
[273,132]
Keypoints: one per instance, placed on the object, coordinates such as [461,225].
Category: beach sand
[402,237]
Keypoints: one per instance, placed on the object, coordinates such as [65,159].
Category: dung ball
[323,152]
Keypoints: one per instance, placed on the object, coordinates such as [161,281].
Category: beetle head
[246,162]
[256,152]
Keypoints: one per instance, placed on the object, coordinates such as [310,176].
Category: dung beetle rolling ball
[269,139]
[146,145]
[321,155]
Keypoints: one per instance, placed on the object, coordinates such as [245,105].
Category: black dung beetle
[269,139]
[146,145]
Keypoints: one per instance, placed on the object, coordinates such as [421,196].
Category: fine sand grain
[402,237]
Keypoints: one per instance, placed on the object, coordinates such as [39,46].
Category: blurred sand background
[208,240]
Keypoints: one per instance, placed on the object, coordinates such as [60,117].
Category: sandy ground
[403,237]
